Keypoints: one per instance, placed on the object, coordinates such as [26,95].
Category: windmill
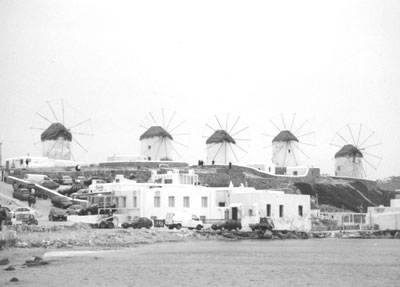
[227,139]
[290,144]
[358,151]
[64,132]
[165,134]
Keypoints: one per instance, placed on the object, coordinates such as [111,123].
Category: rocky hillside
[327,194]
[349,195]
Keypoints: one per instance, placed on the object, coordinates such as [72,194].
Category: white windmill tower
[227,140]
[288,146]
[68,134]
[164,134]
[359,151]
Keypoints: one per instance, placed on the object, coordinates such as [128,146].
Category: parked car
[73,209]
[50,184]
[22,210]
[35,178]
[71,189]
[61,202]
[21,193]
[57,214]
[7,220]
[66,180]
[80,194]
[138,223]
[80,179]
[98,208]
[25,218]
[229,224]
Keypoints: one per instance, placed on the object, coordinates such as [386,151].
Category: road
[42,206]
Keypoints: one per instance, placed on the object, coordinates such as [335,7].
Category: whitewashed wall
[57,149]
[159,148]
[345,166]
[257,201]
[284,154]
[221,153]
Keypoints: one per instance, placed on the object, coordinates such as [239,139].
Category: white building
[156,144]
[219,149]
[288,211]
[284,150]
[384,217]
[173,190]
[56,142]
[348,162]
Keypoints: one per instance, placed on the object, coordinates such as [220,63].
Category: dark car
[61,202]
[138,223]
[26,218]
[57,214]
[98,208]
[48,183]
[228,224]
[81,194]
[7,220]
[72,189]
[22,193]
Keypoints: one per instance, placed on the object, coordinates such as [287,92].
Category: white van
[179,219]
[35,178]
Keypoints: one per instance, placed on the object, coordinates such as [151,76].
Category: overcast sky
[330,62]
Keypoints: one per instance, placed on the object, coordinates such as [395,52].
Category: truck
[265,223]
[179,219]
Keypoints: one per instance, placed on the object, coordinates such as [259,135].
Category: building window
[149,158]
[204,202]
[300,210]
[250,212]
[149,147]
[168,181]
[281,214]
[157,201]
[135,202]
[186,201]
[268,210]
[221,204]
[171,201]
[122,202]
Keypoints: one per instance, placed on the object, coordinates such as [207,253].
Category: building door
[234,213]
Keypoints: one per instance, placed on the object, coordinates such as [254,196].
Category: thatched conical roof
[349,150]
[54,131]
[220,136]
[155,131]
[285,136]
